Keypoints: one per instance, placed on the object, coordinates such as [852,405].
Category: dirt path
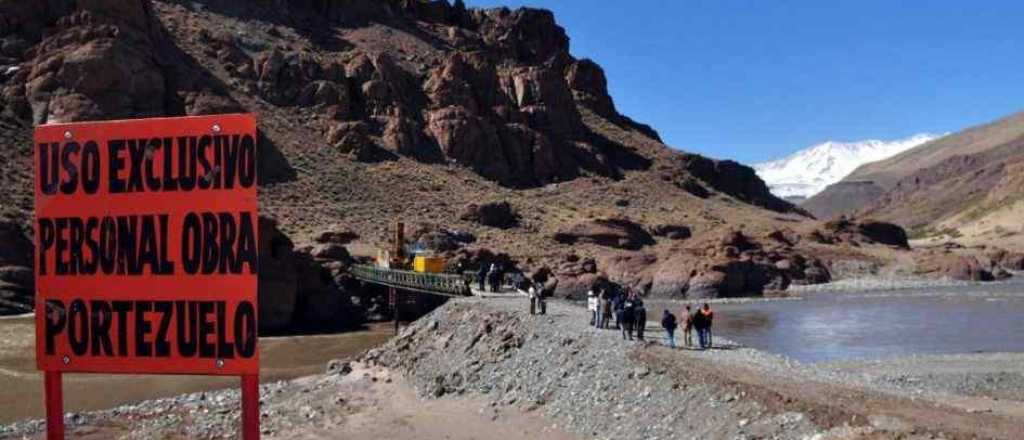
[837,404]
[369,403]
[389,409]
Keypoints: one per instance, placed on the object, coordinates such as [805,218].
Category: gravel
[589,379]
[997,376]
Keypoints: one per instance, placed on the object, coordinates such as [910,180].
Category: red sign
[146,246]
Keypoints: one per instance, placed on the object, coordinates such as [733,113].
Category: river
[280,358]
[985,318]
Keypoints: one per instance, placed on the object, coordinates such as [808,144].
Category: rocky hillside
[965,186]
[477,128]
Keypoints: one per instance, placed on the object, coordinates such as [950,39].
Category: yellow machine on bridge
[428,264]
[395,256]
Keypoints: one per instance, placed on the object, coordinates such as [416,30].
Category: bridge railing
[436,283]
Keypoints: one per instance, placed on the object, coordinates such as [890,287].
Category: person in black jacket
[626,319]
[639,316]
[481,276]
[668,322]
[698,325]
[706,317]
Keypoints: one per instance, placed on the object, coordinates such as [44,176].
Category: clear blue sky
[753,80]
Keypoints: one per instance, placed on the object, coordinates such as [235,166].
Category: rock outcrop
[853,231]
[611,232]
[17,281]
[727,177]
[497,214]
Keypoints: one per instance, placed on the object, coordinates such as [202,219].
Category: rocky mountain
[966,186]
[477,128]
[808,171]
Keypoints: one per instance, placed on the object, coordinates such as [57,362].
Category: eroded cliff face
[371,110]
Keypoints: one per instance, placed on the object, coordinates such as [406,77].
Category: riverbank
[491,365]
[281,358]
[897,283]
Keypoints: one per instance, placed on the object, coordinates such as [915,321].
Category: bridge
[443,284]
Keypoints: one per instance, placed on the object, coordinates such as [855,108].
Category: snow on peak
[808,171]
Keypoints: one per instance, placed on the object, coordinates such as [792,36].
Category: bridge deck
[444,284]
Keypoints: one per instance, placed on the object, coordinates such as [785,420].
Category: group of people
[630,314]
[700,321]
[490,276]
[626,307]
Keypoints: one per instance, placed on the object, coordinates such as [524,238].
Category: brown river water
[280,358]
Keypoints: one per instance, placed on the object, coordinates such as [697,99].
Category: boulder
[16,248]
[616,233]
[884,233]
[331,252]
[321,303]
[694,187]
[404,136]
[341,237]
[494,214]
[1012,260]
[785,237]
[738,240]
[282,77]
[278,286]
[965,268]
[1004,259]
[22,276]
[671,232]
[352,139]
[327,93]
[83,76]
[817,274]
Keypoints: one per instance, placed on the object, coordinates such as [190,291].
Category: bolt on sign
[146,252]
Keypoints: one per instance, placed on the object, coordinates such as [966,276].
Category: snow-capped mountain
[808,171]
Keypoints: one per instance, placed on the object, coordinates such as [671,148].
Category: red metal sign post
[146,235]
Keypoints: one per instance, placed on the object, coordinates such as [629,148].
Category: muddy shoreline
[282,358]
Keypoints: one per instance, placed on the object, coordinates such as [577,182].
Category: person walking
[532,293]
[592,308]
[618,302]
[668,322]
[541,304]
[492,277]
[606,309]
[481,276]
[707,316]
[626,321]
[688,327]
[639,316]
[698,326]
